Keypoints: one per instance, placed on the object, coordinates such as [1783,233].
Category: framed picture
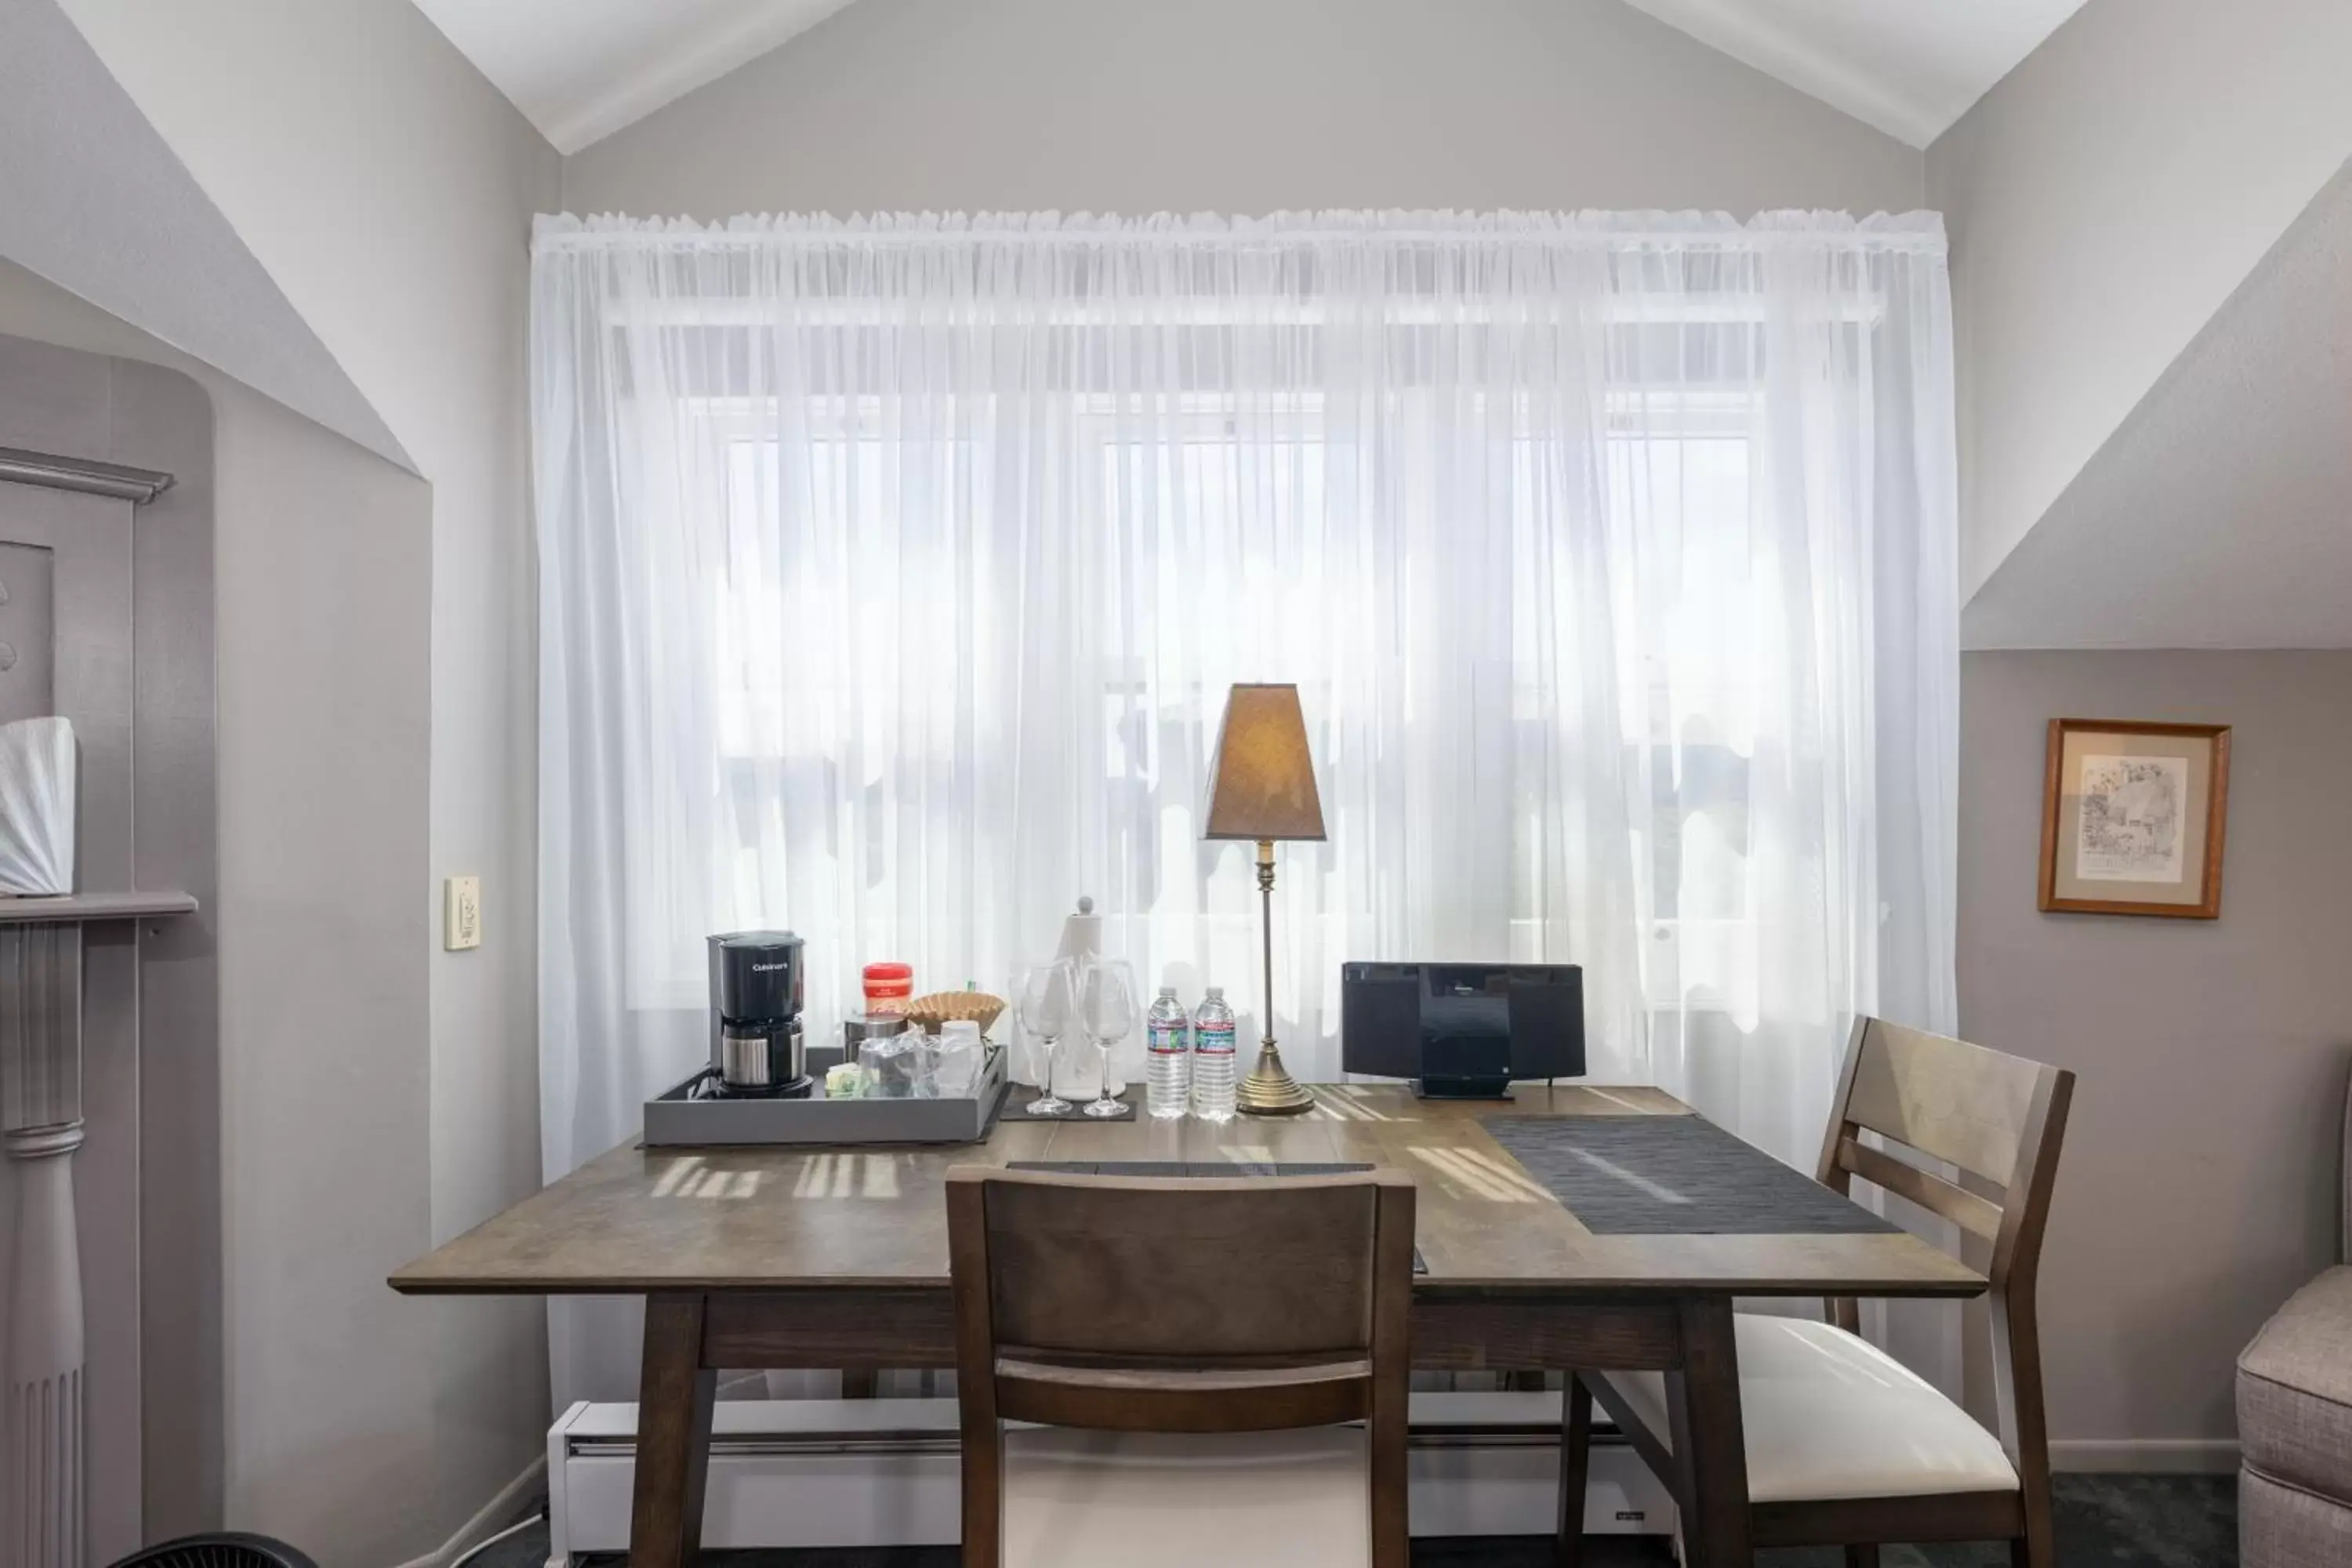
[2132,817]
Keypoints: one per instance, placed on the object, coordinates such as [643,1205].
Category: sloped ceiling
[584,68]
[99,204]
[1910,67]
[2219,515]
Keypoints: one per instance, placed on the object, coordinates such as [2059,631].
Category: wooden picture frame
[2134,818]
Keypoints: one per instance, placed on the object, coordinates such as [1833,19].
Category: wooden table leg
[1710,1448]
[1575,1469]
[674,1399]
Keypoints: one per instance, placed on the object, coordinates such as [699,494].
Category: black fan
[219,1552]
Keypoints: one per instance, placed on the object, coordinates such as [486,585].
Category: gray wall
[1242,106]
[2197,1185]
[387,187]
[323,578]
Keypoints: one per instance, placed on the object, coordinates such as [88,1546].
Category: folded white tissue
[36,807]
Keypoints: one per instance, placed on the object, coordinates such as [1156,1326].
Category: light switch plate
[461,913]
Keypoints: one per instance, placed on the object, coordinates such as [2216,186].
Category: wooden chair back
[1151,1304]
[2000,1120]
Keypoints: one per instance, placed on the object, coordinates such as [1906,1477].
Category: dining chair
[1846,1444]
[1199,1371]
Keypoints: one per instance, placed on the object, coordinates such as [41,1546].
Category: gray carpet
[2104,1522]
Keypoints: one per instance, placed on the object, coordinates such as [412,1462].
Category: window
[825,656]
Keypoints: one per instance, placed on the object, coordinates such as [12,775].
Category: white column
[42,1517]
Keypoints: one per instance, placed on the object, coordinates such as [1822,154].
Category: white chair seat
[1150,1500]
[1827,1415]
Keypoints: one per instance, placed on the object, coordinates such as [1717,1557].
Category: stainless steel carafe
[760,1059]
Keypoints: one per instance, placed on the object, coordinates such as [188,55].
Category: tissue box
[37,809]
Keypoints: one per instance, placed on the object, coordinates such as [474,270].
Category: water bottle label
[1166,1038]
[1217,1037]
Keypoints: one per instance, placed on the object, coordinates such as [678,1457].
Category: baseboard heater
[883,1472]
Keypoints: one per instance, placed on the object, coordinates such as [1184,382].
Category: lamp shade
[1261,784]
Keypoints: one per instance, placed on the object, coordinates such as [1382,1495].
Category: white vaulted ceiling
[1910,67]
[583,68]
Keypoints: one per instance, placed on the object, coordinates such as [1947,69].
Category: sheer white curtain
[893,574]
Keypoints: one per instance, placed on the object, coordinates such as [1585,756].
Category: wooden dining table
[837,1257]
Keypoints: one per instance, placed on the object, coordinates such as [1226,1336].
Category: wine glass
[1044,1006]
[1107,1010]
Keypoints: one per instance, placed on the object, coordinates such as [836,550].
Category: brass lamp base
[1269,1091]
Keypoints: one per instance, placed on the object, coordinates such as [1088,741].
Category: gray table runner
[1666,1175]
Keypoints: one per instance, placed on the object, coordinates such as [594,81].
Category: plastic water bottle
[1212,1058]
[1167,1042]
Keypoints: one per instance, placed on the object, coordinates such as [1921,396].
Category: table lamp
[1262,787]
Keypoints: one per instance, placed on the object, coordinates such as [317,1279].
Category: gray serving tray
[676,1120]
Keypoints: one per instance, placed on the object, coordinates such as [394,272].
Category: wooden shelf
[74,907]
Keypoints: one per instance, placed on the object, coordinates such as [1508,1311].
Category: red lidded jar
[889,987]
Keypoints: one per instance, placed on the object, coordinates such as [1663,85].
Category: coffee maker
[756,1049]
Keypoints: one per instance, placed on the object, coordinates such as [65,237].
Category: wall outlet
[461,913]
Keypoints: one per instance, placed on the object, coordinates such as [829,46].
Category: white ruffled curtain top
[1919,231]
